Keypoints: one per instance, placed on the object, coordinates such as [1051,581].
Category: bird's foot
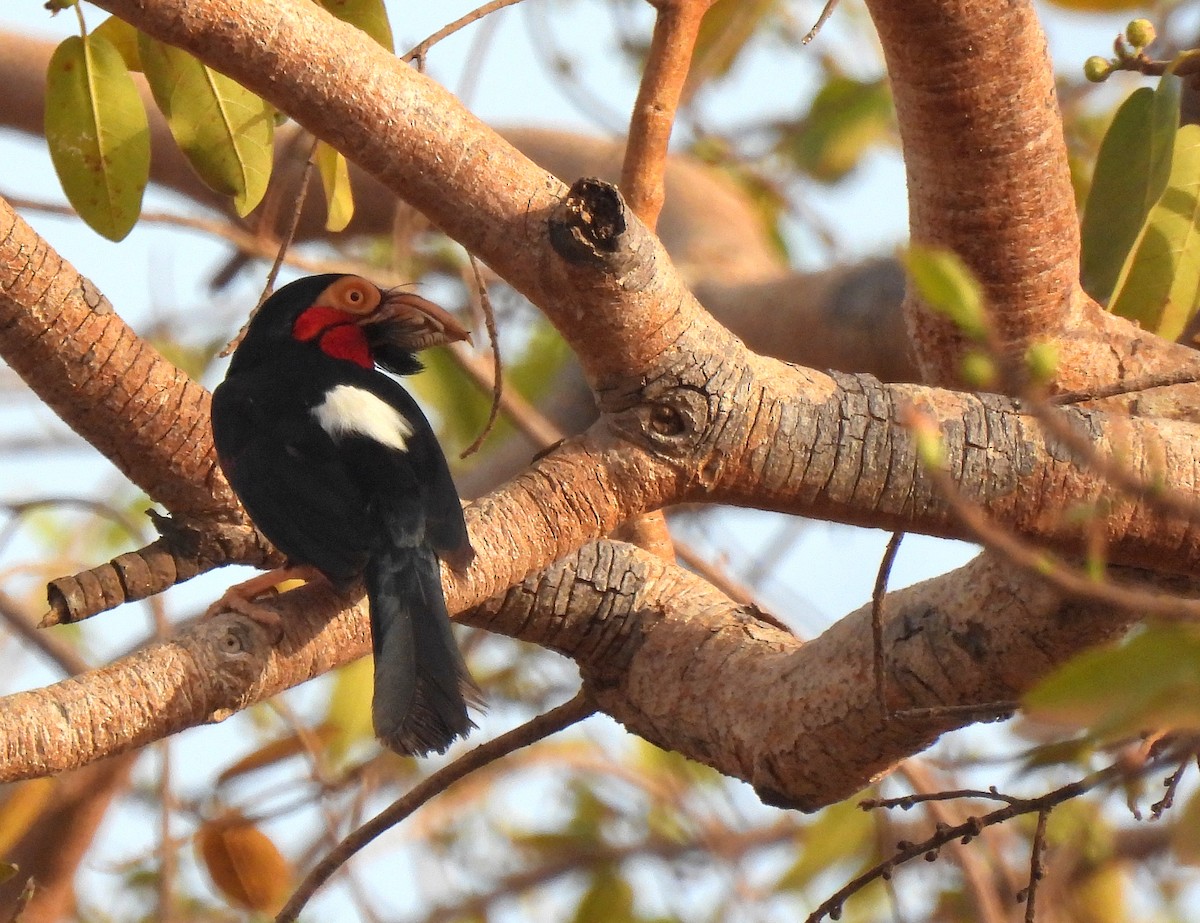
[268,618]
[240,597]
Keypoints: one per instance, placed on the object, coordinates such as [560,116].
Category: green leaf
[97,132]
[846,119]
[1160,281]
[335,180]
[349,709]
[608,899]
[1115,208]
[1133,168]
[945,283]
[725,31]
[224,130]
[1164,124]
[1151,681]
[368,15]
[842,832]
[124,38]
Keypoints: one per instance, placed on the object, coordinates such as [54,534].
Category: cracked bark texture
[62,337]
[689,414]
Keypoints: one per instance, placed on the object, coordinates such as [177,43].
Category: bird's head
[347,317]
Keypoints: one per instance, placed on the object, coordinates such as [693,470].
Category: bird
[337,466]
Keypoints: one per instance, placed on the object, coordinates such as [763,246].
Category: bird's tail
[422,686]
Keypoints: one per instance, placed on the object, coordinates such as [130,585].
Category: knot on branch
[593,227]
[671,421]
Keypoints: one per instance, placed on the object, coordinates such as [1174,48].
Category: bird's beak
[411,323]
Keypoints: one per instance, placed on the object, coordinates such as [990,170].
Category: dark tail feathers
[422,687]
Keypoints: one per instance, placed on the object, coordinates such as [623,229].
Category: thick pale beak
[411,323]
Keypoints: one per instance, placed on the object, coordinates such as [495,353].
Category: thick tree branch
[140,574]
[657,646]
[987,167]
[707,223]
[142,413]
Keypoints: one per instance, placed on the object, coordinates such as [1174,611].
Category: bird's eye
[352,294]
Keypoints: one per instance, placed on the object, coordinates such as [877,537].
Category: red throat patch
[336,332]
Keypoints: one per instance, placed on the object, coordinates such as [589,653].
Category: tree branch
[59,333]
[989,181]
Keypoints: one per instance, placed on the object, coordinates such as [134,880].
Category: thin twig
[553,721]
[97,507]
[257,245]
[1172,786]
[489,319]
[671,45]
[911,800]
[66,657]
[23,899]
[830,6]
[168,868]
[418,52]
[473,65]
[284,245]
[312,748]
[979,870]
[878,596]
[1037,868]
[736,591]
[1186,376]
[971,827]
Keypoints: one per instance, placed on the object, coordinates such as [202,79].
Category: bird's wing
[445,527]
[295,485]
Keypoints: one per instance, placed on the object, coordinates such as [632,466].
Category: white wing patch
[348,411]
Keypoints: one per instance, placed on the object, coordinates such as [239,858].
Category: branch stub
[593,228]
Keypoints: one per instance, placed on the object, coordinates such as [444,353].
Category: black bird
[338,467]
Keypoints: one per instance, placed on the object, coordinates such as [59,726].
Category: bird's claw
[240,598]
[234,601]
